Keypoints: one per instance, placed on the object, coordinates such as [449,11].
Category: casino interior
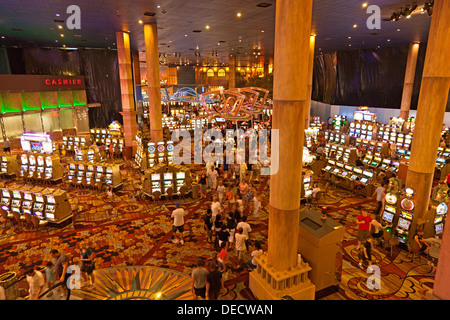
[100,100]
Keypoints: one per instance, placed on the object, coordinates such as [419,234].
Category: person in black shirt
[208,224]
[367,252]
[223,234]
[214,282]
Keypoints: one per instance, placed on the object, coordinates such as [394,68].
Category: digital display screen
[50,199]
[344,174]
[364,180]
[5,193]
[36,145]
[439,228]
[180,175]
[388,216]
[168,176]
[155,177]
[403,223]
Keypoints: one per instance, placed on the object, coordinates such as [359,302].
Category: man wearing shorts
[199,275]
[178,223]
[363,221]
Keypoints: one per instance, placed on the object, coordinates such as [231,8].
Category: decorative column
[154,85]
[278,272]
[430,112]
[408,84]
[232,73]
[127,92]
[430,115]
[312,41]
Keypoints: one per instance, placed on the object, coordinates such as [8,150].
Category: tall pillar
[278,273]
[312,41]
[127,92]
[430,111]
[232,74]
[154,86]
[408,84]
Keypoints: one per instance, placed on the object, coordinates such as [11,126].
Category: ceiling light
[349,37]
[140,21]
[355,26]
[62,35]
[57,14]
[207,27]
[158,6]
[238,14]
[364,4]
[60,27]
[398,29]
[388,40]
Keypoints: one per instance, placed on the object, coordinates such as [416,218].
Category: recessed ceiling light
[364,4]
[3,37]
[355,26]
[388,40]
[57,14]
[140,21]
[185,35]
[398,29]
[349,37]
[62,35]
[207,27]
[349,45]
[158,6]
[60,27]
[262,30]
[238,14]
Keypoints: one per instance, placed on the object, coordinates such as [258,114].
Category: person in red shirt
[363,221]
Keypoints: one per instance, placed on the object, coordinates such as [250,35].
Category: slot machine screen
[438,219]
[440,160]
[50,216]
[357,170]
[5,194]
[181,175]
[16,194]
[155,177]
[99,169]
[387,216]
[441,209]
[364,180]
[328,168]
[353,177]
[332,162]
[51,199]
[374,163]
[81,167]
[168,176]
[36,145]
[72,166]
[39,198]
[109,170]
[439,228]
[349,168]
[446,154]
[345,173]
[27,196]
[38,214]
[336,170]
[90,168]
[368,174]
[404,224]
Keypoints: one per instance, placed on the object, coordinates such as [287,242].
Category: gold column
[278,272]
[232,73]
[127,92]
[312,41]
[154,86]
[430,111]
[408,84]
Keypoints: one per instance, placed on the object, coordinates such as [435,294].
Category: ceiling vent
[149,14]
[264,5]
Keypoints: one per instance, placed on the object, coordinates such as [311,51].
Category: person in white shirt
[246,228]
[380,194]
[240,205]
[36,283]
[240,246]
[212,178]
[255,253]
[256,206]
[178,223]
[216,208]
[221,190]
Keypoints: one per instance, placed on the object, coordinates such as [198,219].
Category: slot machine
[83,142]
[40,168]
[406,215]
[121,144]
[70,144]
[151,154]
[64,143]
[28,202]
[109,176]
[161,148]
[170,148]
[390,209]
[180,180]
[91,155]
[363,131]
[394,166]
[16,201]
[99,173]
[98,136]
[327,149]
[355,173]
[76,142]
[385,164]
[358,142]
[326,136]
[23,165]
[90,175]
[57,206]
[72,173]
[367,177]
[358,129]
[367,159]
[439,219]
[108,142]
[352,128]
[80,155]
[393,137]
[92,135]
[6,200]
[348,171]
[339,153]
[81,173]
[31,165]
[375,161]
[39,205]
[327,167]
[155,182]
[168,181]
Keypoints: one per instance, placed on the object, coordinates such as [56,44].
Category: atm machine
[6,200]
[57,208]
[28,202]
[168,181]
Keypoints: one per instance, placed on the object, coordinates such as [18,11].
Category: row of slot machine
[158,180]
[45,203]
[89,174]
[345,154]
[87,154]
[403,141]
[72,143]
[363,130]
[311,135]
[442,156]
[398,213]
[339,122]
[348,172]
[148,154]
[40,167]
[336,137]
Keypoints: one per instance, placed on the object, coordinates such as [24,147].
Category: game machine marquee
[406,215]
[161,152]
[151,154]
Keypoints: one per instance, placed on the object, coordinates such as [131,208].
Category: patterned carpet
[132,242]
